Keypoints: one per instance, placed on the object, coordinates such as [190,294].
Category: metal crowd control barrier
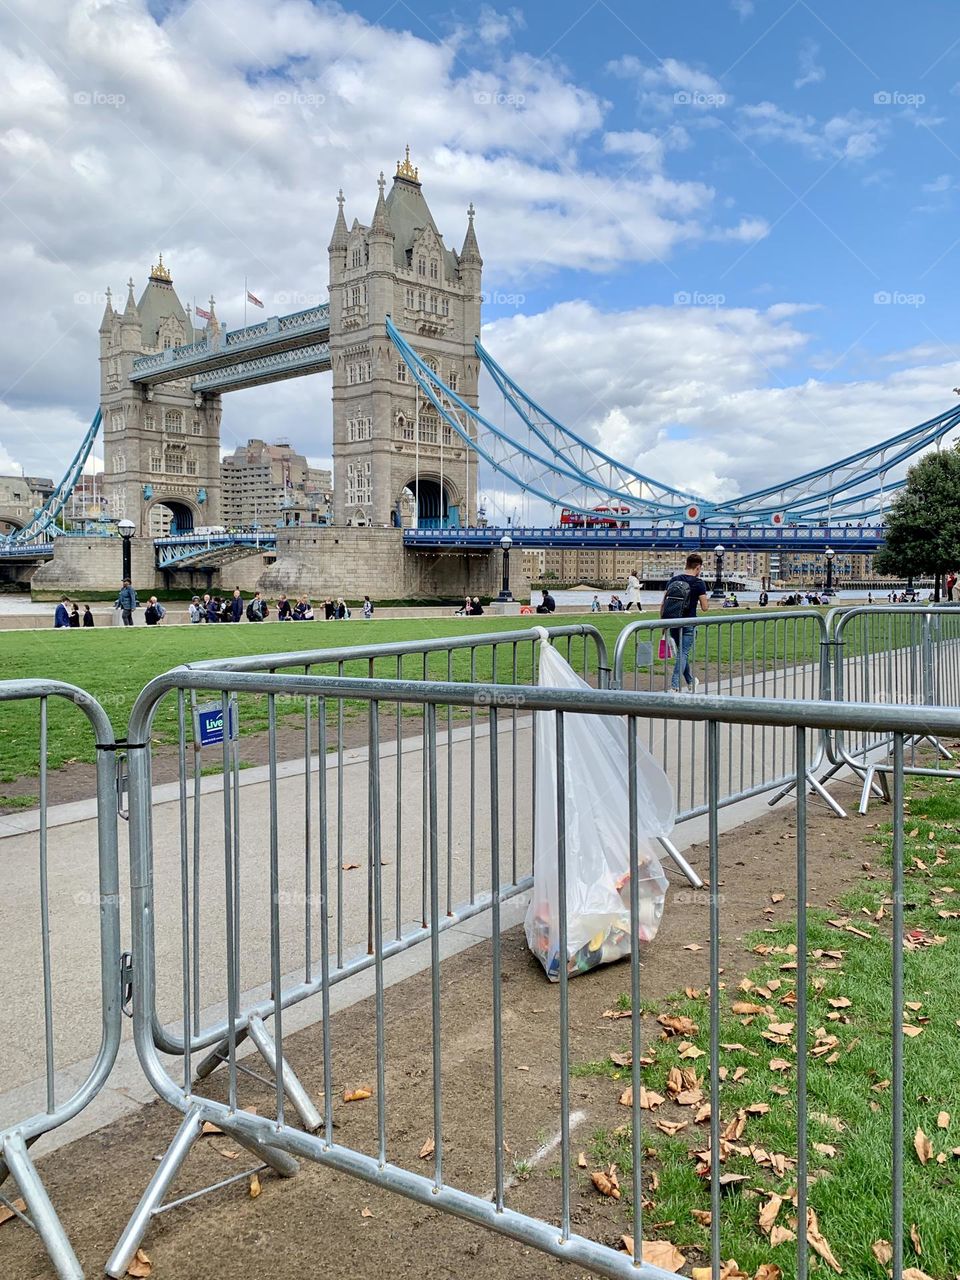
[899,655]
[374,1157]
[495,656]
[16,1139]
[776,654]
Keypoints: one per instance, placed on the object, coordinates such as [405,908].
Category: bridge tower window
[434,269]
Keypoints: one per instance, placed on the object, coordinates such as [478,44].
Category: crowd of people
[216,608]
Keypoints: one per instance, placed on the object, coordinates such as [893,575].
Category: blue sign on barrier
[208,723]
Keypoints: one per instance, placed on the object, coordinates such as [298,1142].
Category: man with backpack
[154,613]
[685,593]
[256,609]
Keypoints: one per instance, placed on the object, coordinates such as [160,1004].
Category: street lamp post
[828,591]
[126,529]
[717,592]
[506,542]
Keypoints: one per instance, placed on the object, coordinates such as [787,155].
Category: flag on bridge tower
[199,311]
[256,301]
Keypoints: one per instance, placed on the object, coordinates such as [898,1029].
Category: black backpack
[676,599]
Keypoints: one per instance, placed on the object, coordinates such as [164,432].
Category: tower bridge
[400,337]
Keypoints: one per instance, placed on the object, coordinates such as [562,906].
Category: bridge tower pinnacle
[395,461]
[161,444]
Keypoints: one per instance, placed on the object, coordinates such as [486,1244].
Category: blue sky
[719,237]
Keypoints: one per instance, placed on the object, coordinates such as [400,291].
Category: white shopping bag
[597,835]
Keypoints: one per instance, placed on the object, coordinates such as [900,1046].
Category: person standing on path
[236,606]
[126,602]
[154,613]
[685,593]
[62,616]
[87,616]
[75,615]
[633,591]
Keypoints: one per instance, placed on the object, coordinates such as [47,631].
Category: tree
[923,524]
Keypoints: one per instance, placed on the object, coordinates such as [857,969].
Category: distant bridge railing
[188,546]
[863,538]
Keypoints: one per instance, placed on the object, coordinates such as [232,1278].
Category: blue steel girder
[44,520]
[597,467]
[223,350]
[649,536]
[554,481]
[821,486]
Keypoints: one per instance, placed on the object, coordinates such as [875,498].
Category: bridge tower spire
[399,266]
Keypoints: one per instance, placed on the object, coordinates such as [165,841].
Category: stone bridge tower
[395,461]
[161,445]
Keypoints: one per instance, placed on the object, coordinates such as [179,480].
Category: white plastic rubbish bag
[597,835]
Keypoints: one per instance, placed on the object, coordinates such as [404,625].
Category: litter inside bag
[596,819]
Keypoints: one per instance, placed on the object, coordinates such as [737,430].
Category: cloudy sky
[719,237]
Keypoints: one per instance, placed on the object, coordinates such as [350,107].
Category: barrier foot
[218,1055]
[302,1102]
[825,795]
[785,791]
[41,1210]
[679,861]
[152,1198]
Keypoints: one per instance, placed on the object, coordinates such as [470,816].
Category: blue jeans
[683,638]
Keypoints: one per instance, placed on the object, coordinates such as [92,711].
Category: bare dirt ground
[326,1223]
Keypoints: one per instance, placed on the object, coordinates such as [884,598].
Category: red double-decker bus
[604,518]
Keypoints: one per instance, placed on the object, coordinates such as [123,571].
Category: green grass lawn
[849,1083]
[114,664]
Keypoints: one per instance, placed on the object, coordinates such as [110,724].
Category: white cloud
[702,397]
[494,27]
[220,135]
[650,148]
[943,183]
[670,84]
[744,8]
[852,136]
[810,70]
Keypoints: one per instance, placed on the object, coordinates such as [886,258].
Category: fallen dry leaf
[351,866]
[671,1127]
[703,1216]
[777,897]
[943,1120]
[227,1153]
[825,1149]
[923,1146]
[615,1014]
[606,1184]
[915,1239]
[6,1214]
[366,1212]
[678,1024]
[781,1235]
[209,1127]
[622,1059]
[882,1250]
[768,1271]
[581,1161]
[914,1273]
[780,1064]
[909,1030]
[818,1244]
[357,1095]
[428,1148]
[768,1214]
[661,1253]
[254,1186]
[140,1266]
[840,1002]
